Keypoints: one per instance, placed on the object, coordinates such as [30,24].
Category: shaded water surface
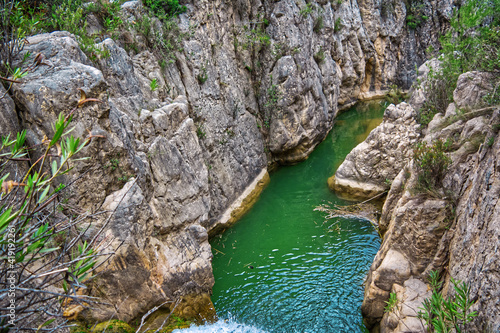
[282,267]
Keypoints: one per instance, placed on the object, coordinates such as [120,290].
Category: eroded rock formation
[453,230]
[370,167]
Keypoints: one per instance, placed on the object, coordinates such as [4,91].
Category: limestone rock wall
[250,83]
[288,64]
[454,230]
[370,167]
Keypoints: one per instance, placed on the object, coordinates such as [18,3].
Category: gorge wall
[248,84]
[452,230]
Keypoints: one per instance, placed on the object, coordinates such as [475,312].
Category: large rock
[417,233]
[9,126]
[150,266]
[371,166]
[9,123]
[288,63]
[403,317]
[471,89]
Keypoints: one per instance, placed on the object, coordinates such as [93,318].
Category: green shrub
[165,42]
[256,38]
[391,303]
[200,132]
[318,24]
[307,10]
[319,56]
[273,96]
[18,19]
[165,9]
[471,44]
[41,249]
[202,75]
[432,163]
[415,15]
[338,25]
[70,15]
[439,89]
[395,95]
[22,18]
[447,314]
[153,85]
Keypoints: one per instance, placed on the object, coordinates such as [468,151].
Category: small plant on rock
[432,163]
[318,24]
[415,16]
[391,303]
[395,95]
[319,56]
[202,76]
[471,44]
[153,85]
[338,25]
[165,9]
[448,314]
[273,96]
[307,10]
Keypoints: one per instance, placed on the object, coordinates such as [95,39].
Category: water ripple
[283,267]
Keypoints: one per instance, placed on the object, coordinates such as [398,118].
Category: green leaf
[60,126]
[4,219]
[52,249]
[70,130]
[20,257]
[54,167]
[33,246]
[48,322]
[5,140]
[85,268]
[19,143]
[44,194]
[65,286]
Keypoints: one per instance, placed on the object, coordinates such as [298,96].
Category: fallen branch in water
[362,210]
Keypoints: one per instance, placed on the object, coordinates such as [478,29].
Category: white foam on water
[221,326]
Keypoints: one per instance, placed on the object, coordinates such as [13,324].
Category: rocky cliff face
[249,83]
[452,231]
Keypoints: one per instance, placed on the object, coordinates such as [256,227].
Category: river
[285,268]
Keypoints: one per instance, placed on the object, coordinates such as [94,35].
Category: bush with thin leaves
[44,259]
[432,163]
[447,314]
[165,9]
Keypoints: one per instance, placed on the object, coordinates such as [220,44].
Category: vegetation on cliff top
[471,44]
[22,18]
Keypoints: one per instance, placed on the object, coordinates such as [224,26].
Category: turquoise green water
[282,267]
